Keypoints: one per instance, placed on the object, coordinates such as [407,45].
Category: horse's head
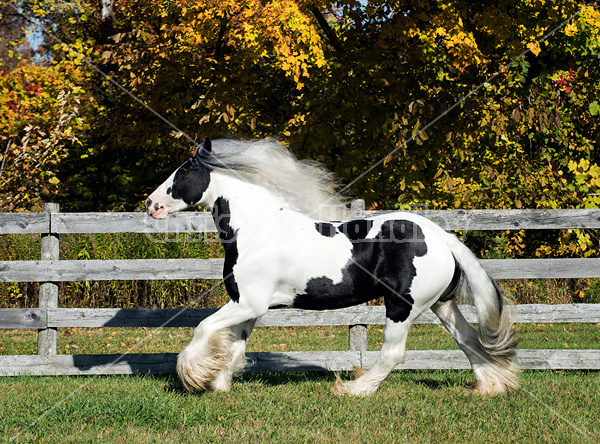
[183,189]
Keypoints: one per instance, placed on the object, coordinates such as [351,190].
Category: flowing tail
[493,358]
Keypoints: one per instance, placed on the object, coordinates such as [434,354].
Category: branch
[331,37]
[4,158]
[219,46]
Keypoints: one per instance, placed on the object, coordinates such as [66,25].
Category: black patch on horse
[325,229]
[450,291]
[222,217]
[356,229]
[381,266]
[190,182]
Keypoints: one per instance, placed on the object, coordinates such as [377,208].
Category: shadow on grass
[172,383]
[275,379]
[287,378]
[438,385]
[438,381]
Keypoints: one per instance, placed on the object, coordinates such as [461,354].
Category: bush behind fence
[206,293]
[119,294]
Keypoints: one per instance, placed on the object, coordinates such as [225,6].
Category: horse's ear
[206,146]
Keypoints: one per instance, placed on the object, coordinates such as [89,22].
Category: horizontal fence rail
[159,363]
[162,269]
[19,318]
[201,222]
[50,270]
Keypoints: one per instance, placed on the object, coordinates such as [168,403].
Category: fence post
[48,290]
[357,334]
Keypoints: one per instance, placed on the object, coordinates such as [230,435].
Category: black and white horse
[276,219]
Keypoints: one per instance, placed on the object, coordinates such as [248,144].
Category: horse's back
[330,265]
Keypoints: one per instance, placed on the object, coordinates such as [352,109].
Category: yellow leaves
[448,29]
[54,180]
[282,31]
[571,29]
[586,180]
[591,16]
[580,166]
[535,48]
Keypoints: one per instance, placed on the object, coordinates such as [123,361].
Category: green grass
[411,406]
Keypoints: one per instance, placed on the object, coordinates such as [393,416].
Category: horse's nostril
[148,203]
[156,206]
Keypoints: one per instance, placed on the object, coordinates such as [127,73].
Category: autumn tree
[44,106]
[343,82]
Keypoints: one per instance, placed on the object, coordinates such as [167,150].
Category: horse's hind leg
[493,375]
[237,361]
[392,354]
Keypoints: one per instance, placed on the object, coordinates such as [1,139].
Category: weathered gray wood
[48,292]
[423,359]
[195,222]
[527,359]
[357,337]
[304,361]
[509,219]
[22,318]
[110,270]
[184,222]
[190,317]
[24,223]
[153,363]
[559,359]
[127,317]
[87,364]
[157,269]
[559,313]
[361,315]
[357,208]
[542,268]
[287,361]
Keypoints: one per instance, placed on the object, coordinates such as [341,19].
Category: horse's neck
[245,201]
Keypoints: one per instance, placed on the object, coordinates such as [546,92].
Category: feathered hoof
[352,388]
[340,388]
[493,380]
[199,366]
[358,372]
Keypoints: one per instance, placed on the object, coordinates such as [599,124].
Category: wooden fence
[50,270]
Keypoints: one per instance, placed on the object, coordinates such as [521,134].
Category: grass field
[411,406]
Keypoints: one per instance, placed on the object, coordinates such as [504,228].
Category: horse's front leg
[238,361]
[212,357]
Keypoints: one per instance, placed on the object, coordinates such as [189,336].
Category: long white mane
[306,186]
